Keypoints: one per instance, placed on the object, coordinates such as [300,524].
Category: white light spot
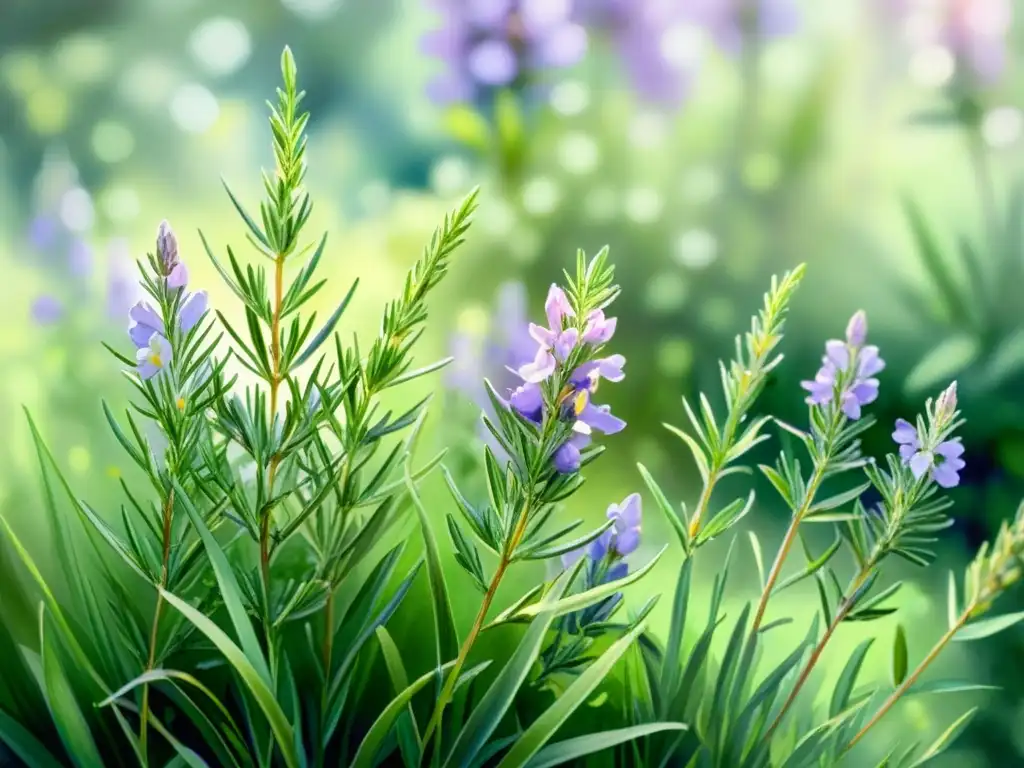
[194,108]
[312,10]
[932,67]
[578,153]
[1002,127]
[666,292]
[541,196]
[648,130]
[148,83]
[375,196]
[600,204]
[449,176]
[570,97]
[696,248]
[682,46]
[701,184]
[221,45]
[497,217]
[643,205]
[120,204]
[76,210]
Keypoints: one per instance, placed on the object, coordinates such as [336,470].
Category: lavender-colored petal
[628,512]
[446,43]
[921,462]
[907,451]
[857,329]
[869,363]
[905,433]
[488,14]
[42,232]
[617,572]
[851,406]
[493,62]
[144,314]
[546,338]
[945,475]
[601,419]
[627,541]
[540,16]
[950,449]
[565,343]
[567,458]
[777,18]
[557,307]
[155,357]
[820,392]
[450,88]
[178,277]
[837,353]
[528,401]
[599,329]
[192,311]
[541,368]
[865,391]
[610,368]
[140,334]
[598,548]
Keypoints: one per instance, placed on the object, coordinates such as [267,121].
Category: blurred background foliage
[868,138]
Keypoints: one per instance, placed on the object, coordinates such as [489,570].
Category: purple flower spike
[166,247]
[154,357]
[145,323]
[557,307]
[528,401]
[178,277]
[858,390]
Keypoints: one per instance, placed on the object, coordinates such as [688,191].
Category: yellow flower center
[181,403]
[580,403]
[154,358]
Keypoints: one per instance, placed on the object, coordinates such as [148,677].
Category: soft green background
[116,114]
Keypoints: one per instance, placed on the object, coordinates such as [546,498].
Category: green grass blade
[409,741]
[545,726]
[381,727]
[24,745]
[261,692]
[230,591]
[67,716]
[562,752]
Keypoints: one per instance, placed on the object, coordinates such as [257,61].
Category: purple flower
[943,463]
[145,324]
[178,277]
[43,231]
[849,368]
[976,31]
[47,310]
[192,311]
[528,401]
[637,29]
[568,456]
[730,21]
[166,247]
[555,343]
[153,357]
[599,329]
[80,258]
[490,44]
[626,530]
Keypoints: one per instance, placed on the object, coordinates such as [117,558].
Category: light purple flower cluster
[848,370]
[617,542]
[489,44]
[637,29]
[147,331]
[942,463]
[556,343]
[730,21]
[976,31]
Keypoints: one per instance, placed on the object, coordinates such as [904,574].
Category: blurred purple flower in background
[47,310]
[122,286]
[491,44]
[730,21]
[649,37]
[975,31]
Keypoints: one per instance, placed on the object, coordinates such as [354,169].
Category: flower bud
[945,405]
[857,329]
[166,248]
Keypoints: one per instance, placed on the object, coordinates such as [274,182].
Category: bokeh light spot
[541,196]
[120,203]
[601,203]
[761,171]
[666,292]
[84,58]
[76,210]
[1002,126]
[79,459]
[148,83]
[221,45]
[696,248]
[570,97]
[449,176]
[578,153]
[312,10]
[22,72]
[48,110]
[112,141]
[682,46]
[643,205]
[675,356]
[194,108]
[648,130]
[932,66]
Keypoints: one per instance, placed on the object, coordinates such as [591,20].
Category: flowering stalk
[545,427]
[844,383]
[907,511]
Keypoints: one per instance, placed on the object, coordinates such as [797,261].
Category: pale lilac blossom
[847,373]
[942,463]
[154,357]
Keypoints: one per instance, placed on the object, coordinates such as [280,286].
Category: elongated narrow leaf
[67,716]
[495,703]
[261,692]
[230,591]
[987,627]
[409,741]
[446,637]
[374,738]
[325,332]
[24,745]
[545,726]
[580,600]
[665,507]
[848,678]
[944,741]
[947,686]
[899,657]
[564,752]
